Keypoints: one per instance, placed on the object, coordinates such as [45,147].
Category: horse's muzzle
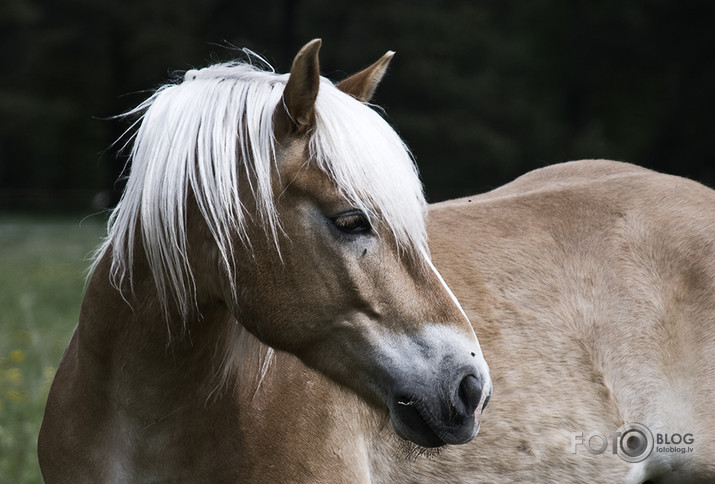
[437,420]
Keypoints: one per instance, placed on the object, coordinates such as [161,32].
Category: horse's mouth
[406,412]
[413,421]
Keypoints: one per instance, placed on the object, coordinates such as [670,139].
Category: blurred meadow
[43,263]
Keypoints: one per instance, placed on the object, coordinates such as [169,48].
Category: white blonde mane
[197,136]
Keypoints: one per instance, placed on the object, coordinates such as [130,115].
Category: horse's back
[590,285]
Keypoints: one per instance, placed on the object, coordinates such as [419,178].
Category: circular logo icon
[635,443]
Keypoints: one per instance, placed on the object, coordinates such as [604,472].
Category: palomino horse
[275,205]
[589,283]
[591,286]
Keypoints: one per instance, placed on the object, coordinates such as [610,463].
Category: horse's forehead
[298,173]
[308,178]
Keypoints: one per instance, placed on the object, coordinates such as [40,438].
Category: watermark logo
[633,442]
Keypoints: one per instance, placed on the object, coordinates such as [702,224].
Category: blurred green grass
[43,263]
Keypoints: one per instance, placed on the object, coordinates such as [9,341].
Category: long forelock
[370,164]
[195,138]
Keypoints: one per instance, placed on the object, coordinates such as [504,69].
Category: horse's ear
[363,84]
[296,113]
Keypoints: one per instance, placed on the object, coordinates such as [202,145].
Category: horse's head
[351,289]
[312,217]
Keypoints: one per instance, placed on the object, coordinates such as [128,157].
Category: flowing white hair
[198,136]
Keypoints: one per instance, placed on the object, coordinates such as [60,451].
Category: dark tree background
[481,91]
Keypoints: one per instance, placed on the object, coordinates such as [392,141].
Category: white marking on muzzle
[482,363]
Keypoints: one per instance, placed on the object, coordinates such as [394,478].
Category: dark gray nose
[469,395]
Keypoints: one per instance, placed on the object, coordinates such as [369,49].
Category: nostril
[470,393]
[486,400]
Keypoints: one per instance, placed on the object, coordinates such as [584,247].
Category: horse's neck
[150,406]
[128,338]
[159,392]
[319,430]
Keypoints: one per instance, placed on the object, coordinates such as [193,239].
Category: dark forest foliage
[481,91]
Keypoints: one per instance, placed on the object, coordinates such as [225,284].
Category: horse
[591,285]
[280,208]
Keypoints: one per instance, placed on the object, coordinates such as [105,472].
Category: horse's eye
[352,222]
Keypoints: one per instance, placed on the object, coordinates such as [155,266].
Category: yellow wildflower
[14,376]
[15,396]
[17,356]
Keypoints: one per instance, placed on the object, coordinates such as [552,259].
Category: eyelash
[353,222]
